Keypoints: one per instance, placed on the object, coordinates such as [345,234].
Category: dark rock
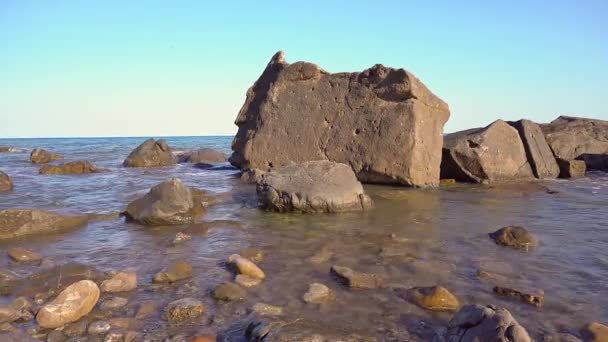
[514,237]
[571,168]
[474,323]
[184,309]
[203,155]
[41,156]
[229,292]
[579,138]
[532,299]
[539,153]
[383,122]
[491,154]
[71,168]
[20,222]
[151,153]
[167,203]
[203,166]
[5,182]
[352,279]
[315,186]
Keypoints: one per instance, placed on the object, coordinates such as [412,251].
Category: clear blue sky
[139,68]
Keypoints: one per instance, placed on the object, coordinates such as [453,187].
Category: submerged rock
[181,237]
[352,279]
[474,323]
[203,155]
[538,152]
[151,153]
[571,168]
[99,328]
[514,237]
[315,186]
[229,292]
[74,302]
[317,293]
[120,282]
[245,267]
[167,203]
[247,281]
[5,182]
[595,332]
[4,149]
[184,309]
[114,303]
[42,156]
[71,168]
[532,299]
[263,309]
[21,222]
[23,255]
[178,270]
[383,122]
[494,153]
[434,298]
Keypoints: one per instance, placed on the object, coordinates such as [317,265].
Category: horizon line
[119,136]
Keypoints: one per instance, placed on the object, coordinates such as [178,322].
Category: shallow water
[413,237]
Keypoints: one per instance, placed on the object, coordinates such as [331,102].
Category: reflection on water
[413,238]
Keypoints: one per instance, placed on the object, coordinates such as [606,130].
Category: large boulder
[151,153]
[383,122]
[579,138]
[203,155]
[42,156]
[5,182]
[538,152]
[71,168]
[20,222]
[476,323]
[314,186]
[167,203]
[491,154]
[73,303]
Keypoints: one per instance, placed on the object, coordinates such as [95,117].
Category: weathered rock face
[383,122]
[5,182]
[151,153]
[491,154]
[571,168]
[578,138]
[71,168]
[315,186]
[203,155]
[538,152]
[478,323]
[42,156]
[167,203]
[20,222]
[74,302]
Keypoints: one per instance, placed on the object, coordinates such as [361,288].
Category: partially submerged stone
[151,153]
[538,152]
[178,270]
[317,293]
[356,280]
[121,282]
[181,237]
[245,267]
[263,309]
[42,156]
[6,184]
[514,237]
[22,222]
[434,298]
[229,292]
[536,300]
[571,168]
[314,186]
[203,155]
[71,304]
[474,323]
[114,303]
[184,309]
[23,255]
[247,281]
[71,168]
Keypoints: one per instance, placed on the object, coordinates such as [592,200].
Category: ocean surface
[414,237]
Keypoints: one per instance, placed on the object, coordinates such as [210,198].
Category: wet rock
[336,117]
[8,314]
[18,310]
[571,168]
[315,186]
[447,182]
[42,156]
[538,152]
[181,238]
[263,309]
[74,302]
[532,299]
[5,149]
[202,166]
[23,255]
[167,203]
[121,282]
[56,336]
[48,282]
[5,182]
[114,303]
[78,328]
[561,337]
[595,332]
[252,176]
[21,222]
[71,168]
[317,293]
[514,237]
[229,292]
[491,154]
[103,216]
[245,267]
[146,309]
[352,279]
[579,138]
[253,254]
[247,281]
[151,153]
[184,309]
[434,298]
[99,328]
[178,270]
[322,256]
[478,323]
[203,155]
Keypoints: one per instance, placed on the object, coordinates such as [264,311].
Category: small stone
[246,267]
[146,309]
[23,255]
[99,328]
[263,309]
[247,281]
[434,298]
[78,328]
[114,303]
[532,299]
[76,301]
[176,271]
[323,255]
[121,282]
[184,309]
[317,293]
[181,237]
[353,279]
[56,336]
[595,332]
[514,237]
[229,292]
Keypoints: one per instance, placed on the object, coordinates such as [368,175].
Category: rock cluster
[478,323]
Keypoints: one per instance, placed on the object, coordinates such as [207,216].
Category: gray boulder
[151,153]
[579,138]
[21,222]
[203,155]
[167,203]
[491,154]
[5,182]
[42,156]
[314,186]
[538,152]
[476,323]
[383,122]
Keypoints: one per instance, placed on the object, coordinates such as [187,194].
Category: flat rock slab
[383,122]
[21,222]
[312,187]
